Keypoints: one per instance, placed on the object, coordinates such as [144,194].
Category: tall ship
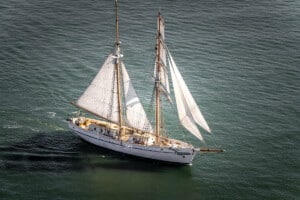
[120,122]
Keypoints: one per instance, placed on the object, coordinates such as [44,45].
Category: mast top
[117,23]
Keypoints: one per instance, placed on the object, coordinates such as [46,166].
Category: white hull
[167,154]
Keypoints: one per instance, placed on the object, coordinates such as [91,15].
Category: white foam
[51,114]
[12,125]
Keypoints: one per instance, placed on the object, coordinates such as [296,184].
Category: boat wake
[61,151]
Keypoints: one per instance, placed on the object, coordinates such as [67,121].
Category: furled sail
[163,76]
[188,111]
[105,83]
[164,81]
[135,114]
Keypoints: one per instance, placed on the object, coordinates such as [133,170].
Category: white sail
[188,111]
[136,116]
[101,97]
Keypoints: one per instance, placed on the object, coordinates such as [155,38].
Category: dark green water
[240,59]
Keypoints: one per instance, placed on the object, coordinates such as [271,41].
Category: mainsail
[188,111]
[100,98]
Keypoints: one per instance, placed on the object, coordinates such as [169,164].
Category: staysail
[135,114]
[188,111]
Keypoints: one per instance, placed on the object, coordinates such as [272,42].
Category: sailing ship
[122,124]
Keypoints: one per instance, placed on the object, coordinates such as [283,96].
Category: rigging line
[151,107]
[151,103]
[111,102]
[124,108]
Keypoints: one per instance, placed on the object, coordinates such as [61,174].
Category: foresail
[135,114]
[100,97]
[188,111]
[185,117]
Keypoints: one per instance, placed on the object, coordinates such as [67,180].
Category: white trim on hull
[181,156]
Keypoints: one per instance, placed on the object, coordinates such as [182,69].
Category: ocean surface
[240,59]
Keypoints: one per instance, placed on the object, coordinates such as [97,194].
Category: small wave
[36,130]
[51,114]
[12,125]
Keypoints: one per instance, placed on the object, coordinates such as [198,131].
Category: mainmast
[157,81]
[117,65]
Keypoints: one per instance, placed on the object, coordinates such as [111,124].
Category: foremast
[157,81]
[117,66]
